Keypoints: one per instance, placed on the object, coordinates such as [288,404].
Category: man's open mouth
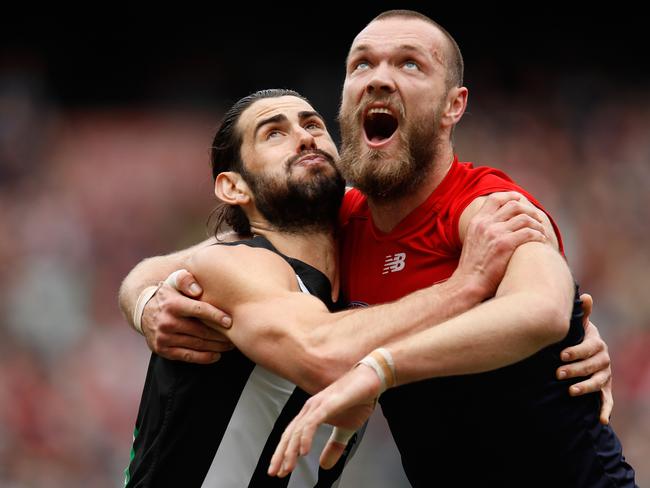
[379,125]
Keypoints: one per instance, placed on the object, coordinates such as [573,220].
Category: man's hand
[347,403]
[177,327]
[590,358]
[500,223]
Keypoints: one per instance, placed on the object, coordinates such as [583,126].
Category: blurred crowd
[87,193]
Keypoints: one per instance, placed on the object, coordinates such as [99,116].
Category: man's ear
[230,188]
[455,106]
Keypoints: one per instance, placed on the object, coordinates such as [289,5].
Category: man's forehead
[289,106]
[399,31]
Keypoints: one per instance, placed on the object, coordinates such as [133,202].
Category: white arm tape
[381,361]
[341,435]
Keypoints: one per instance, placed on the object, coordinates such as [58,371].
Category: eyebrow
[283,118]
[271,120]
[310,113]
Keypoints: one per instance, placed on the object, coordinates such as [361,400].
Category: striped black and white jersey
[217,425]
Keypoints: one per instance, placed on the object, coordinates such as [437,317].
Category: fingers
[277,459]
[181,306]
[512,216]
[291,454]
[522,221]
[190,327]
[335,447]
[607,403]
[296,441]
[189,355]
[297,438]
[184,282]
[496,200]
[203,311]
[587,307]
[513,208]
[165,341]
[522,236]
[331,454]
[597,362]
[590,345]
[595,383]
[172,332]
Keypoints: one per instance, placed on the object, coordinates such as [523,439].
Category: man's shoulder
[481,173]
[239,262]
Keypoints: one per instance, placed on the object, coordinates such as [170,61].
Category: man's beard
[310,204]
[375,172]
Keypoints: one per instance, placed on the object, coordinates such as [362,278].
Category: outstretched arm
[295,336]
[496,333]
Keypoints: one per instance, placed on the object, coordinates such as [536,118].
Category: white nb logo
[394,263]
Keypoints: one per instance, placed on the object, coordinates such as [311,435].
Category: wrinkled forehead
[266,108]
[396,32]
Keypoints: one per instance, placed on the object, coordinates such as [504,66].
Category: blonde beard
[378,174]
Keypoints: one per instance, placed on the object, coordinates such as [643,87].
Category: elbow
[553,319]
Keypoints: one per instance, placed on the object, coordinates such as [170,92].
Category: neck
[316,248]
[387,214]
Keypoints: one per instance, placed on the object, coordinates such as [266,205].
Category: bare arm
[536,279]
[531,310]
[294,335]
[590,358]
[494,334]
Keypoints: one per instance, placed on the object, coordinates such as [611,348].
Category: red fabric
[424,248]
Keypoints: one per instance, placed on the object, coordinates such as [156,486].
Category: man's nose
[381,80]
[305,140]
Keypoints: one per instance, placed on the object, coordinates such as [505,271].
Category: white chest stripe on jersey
[261,402]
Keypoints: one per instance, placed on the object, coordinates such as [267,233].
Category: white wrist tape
[146,295]
[382,362]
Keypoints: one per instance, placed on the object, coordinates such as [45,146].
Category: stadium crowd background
[104,135]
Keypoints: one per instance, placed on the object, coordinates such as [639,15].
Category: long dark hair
[225,155]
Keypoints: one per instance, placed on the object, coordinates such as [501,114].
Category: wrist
[381,361]
[467,288]
[144,297]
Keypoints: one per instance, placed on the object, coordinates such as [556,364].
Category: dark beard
[299,206]
[404,172]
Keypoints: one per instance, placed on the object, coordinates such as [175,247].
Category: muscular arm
[292,333]
[531,310]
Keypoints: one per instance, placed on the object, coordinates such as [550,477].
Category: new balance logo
[394,263]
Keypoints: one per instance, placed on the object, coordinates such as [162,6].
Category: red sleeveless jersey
[424,248]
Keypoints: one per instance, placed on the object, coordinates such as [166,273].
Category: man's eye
[411,65]
[313,126]
[361,66]
[273,134]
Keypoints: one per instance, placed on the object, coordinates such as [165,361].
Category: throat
[388,213]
